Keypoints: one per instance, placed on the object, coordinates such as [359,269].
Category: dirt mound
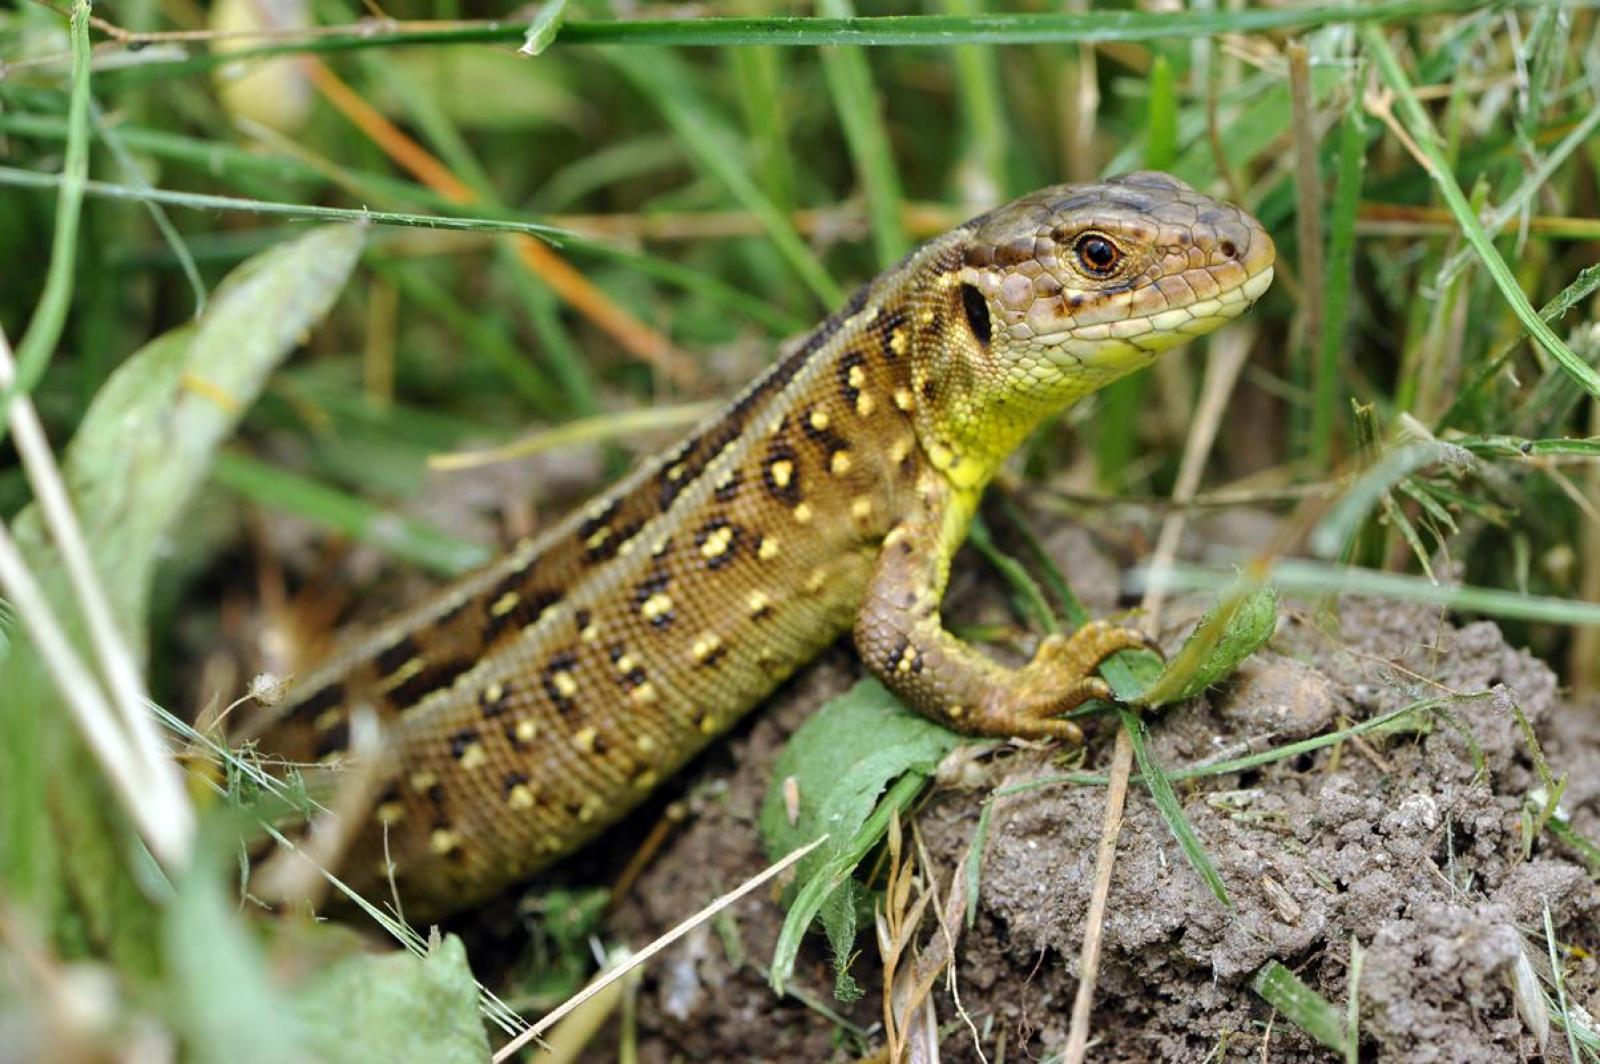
[1411,840]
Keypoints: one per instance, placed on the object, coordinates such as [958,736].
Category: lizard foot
[1059,678]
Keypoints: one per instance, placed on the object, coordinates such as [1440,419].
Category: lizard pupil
[977,309]
[1098,255]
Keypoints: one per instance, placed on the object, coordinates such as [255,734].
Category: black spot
[711,660]
[594,523]
[435,677]
[851,360]
[580,620]
[529,608]
[461,740]
[494,700]
[892,662]
[513,780]
[929,389]
[730,552]
[788,492]
[562,661]
[977,309]
[728,489]
[317,703]
[333,740]
[435,794]
[659,579]
[396,654]
[390,793]
[890,324]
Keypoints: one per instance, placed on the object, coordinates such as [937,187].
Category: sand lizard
[536,701]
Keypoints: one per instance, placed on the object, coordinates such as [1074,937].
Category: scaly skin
[535,702]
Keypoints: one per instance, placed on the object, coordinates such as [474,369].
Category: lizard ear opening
[977,309]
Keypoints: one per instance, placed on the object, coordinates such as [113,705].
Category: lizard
[532,703]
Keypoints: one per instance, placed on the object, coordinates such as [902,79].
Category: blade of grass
[1432,159]
[1328,387]
[855,101]
[39,341]
[1315,578]
[879,30]
[663,79]
[1301,1005]
[1171,809]
[290,492]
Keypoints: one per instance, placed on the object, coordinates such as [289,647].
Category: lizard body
[533,703]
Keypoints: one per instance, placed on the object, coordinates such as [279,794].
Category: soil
[1409,844]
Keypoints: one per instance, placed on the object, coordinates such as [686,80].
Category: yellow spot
[926,317]
[644,694]
[551,843]
[443,840]
[423,781]
[626,663]
[405,672]
[646,779]
[708,724]
[565,685]
[956,712]
[473,756]
[526,731]
[646,744]
[897,341]
[328,718]
[656,607]
[626,548]
[857,377]
[591,808]
[705,646]
[590,633]
[865,404]
[676,472]
[819,419]
[816,579]
[900,449]
[896,534]
[906,659]
[595,541]
[661,547]
[941,456]
[767,549]
[505,604]
[584,739]
[861,508]
[391,812]
[716,544]
[758,602]
[725,481]
[802,513]
[520,797]
[494,692]
[782,472]
[902,398]
[839,464]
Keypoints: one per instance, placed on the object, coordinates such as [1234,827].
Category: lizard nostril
[1229,248]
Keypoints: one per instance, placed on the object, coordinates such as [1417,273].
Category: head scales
[1058,294]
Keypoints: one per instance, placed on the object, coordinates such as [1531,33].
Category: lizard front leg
[902,639]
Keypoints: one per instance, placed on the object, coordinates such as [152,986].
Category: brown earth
[1410,843]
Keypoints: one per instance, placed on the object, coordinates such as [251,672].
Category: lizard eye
[977,309]
[1098,255]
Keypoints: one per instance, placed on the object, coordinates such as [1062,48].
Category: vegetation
[443,255]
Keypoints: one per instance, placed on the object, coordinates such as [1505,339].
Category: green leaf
[544,27]
[222,1003]
[1171,809]
[1241,620]
[1301,1005]
[395,1006]
[840,761]
[148,439]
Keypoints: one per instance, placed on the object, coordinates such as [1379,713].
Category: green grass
[1437,439]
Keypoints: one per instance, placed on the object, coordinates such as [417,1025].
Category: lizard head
[1058,294]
